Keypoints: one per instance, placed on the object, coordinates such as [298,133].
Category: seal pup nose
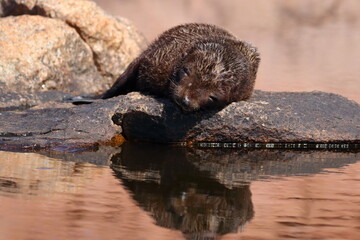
[186,101]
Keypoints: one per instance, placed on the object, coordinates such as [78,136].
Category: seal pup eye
[186,71]
[213,99]
[182,73]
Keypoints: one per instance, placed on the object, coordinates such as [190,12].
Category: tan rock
[38,53]
[113,40]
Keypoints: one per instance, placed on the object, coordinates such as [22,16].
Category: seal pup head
[212,74]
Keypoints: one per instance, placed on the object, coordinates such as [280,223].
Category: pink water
[172,194]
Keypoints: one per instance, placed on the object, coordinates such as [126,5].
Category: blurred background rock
[305,45]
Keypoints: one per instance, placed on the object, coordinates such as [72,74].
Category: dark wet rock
[22,101]
[266,117]
[71,46]
[59,125]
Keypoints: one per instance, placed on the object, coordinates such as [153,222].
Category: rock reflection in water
[205,193]
[179,195]
[238,167]
[45,198]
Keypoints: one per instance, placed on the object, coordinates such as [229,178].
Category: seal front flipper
[126,82]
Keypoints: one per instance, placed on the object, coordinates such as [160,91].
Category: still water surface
[155,192]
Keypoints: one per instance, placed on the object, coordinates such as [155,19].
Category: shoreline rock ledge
[54,49]
[268,117]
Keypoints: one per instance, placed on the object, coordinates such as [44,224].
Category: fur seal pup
[196,65]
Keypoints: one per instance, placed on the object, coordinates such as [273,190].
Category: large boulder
[36,51]
[275,117]
[305,117]
[39,54]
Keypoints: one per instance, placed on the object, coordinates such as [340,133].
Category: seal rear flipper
[126,82]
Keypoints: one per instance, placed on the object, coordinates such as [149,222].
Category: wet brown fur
[196,65]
